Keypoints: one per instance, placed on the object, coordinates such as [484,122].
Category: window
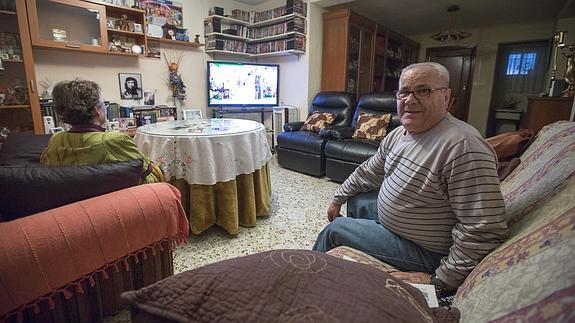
[520,63]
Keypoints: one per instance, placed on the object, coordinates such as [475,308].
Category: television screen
[233,84]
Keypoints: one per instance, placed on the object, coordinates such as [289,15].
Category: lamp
[555,85]
[559,41]
[451,34]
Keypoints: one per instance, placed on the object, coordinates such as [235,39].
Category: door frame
[470,51]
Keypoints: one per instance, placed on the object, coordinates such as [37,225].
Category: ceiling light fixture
[451,34]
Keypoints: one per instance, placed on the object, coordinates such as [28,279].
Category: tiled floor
[299,204]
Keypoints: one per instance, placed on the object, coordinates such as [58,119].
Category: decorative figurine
[174,79]
[197,39]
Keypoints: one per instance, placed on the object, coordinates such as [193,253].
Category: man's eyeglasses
[417,93]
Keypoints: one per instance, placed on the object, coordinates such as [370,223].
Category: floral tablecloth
[205,151]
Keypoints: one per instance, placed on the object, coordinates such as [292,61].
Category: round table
[219,166]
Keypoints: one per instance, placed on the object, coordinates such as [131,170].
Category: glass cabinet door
[19,106]
[68,24]
[365,63]
[353,59]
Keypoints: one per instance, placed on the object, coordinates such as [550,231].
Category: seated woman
[78,103]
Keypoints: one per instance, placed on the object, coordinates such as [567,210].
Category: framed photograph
[113,126]
[130,86]
[138,28]
[149,98]
[192,114]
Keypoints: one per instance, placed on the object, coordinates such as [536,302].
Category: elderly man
[439,207]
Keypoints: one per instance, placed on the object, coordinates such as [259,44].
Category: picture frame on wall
[130,86]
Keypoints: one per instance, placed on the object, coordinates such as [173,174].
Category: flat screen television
[239,84]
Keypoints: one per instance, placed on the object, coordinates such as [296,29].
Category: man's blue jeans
[373,238]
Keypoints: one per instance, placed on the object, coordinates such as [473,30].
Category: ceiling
[412,17]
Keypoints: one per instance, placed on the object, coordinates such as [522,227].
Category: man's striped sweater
[438,189]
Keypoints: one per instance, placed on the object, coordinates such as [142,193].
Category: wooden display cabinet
[19,103]
[87,26]
[360,56]
[68,24]
[348,48]
[125,27]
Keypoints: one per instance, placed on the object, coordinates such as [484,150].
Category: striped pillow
[371,126]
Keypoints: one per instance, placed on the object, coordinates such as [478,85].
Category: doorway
[520,71]
[459,61]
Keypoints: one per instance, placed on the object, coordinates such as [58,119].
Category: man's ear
[447,97]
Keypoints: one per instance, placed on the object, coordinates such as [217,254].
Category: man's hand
[333,211]
[413,277]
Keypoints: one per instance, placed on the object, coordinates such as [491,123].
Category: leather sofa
[344,154]
[303,151]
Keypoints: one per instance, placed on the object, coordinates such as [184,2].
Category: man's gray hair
[442,72]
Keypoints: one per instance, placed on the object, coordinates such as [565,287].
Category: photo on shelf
[154,50]
[149,98]
[59,34]
[130,86]
[137,28]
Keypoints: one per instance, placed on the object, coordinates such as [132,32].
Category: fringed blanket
[45,253]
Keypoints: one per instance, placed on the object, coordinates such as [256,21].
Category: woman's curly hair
[75,101]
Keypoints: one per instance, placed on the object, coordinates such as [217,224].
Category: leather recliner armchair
[303,151]
[345,154]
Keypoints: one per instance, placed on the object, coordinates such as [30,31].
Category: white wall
[296,81]
[487,40]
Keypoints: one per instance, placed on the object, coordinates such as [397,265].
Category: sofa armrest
[293,126]
[336,132]
[46,252]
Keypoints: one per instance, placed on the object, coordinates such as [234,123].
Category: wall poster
[161,12]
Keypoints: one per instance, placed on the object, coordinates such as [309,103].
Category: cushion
[545,166]
[371,126]
[26,190]
[510,144]
[534,268]
[280,285]
[317,121]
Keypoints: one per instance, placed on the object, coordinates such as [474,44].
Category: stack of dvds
[247,16]
[293,42]
[218,43]
[212,25]
[242,31]
[216,11]
[296,24]
[270,14]
[296,42]
[296,6]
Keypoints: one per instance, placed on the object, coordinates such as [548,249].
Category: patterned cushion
[317,121]
[371,126]
[281,286]
[530,277]
[545,166]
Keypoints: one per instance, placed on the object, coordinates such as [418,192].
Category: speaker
[48,124]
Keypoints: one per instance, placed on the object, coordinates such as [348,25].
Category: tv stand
[219,112]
